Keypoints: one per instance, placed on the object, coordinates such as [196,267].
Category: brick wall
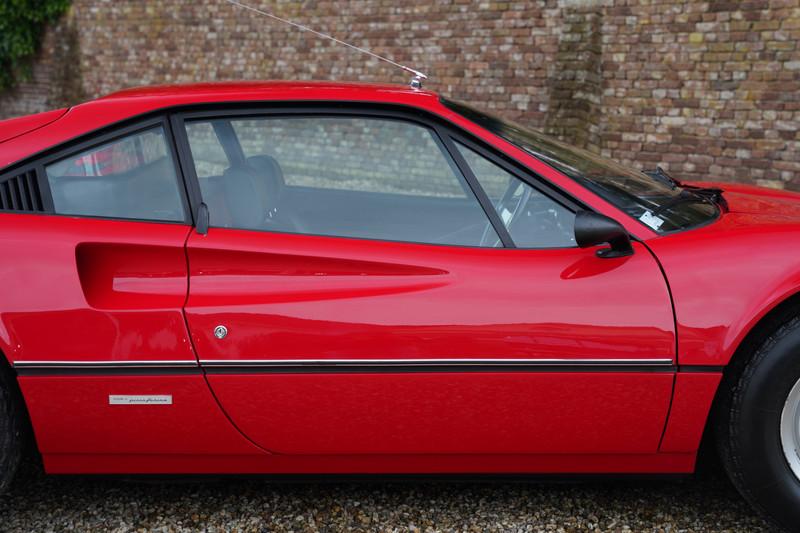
[708,89]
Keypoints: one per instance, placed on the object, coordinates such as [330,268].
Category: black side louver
[21,193]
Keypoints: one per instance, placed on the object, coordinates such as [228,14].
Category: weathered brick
[711,88]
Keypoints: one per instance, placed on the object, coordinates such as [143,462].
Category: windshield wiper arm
[659,174]
[692,195]
[712,193]
[606,188]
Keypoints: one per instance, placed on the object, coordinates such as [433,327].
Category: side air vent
[21,193]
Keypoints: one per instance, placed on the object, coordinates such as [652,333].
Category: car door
[92,315]
[371,284]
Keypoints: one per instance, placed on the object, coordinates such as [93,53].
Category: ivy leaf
[22,23]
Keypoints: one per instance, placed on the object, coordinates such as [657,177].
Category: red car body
[367,356]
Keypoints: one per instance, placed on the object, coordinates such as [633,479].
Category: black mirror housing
[592,229]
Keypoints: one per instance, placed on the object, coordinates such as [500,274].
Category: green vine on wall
[22,24]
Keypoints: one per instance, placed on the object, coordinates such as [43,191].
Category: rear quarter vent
[21,192]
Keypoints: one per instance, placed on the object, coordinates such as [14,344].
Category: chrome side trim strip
[246,363]
[345,363]
[237,366]
[104,364]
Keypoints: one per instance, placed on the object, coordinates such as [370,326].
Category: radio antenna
[416,82]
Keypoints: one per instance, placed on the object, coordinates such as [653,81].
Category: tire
[11,429]
[748,425]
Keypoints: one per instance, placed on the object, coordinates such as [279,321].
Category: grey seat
[254,193]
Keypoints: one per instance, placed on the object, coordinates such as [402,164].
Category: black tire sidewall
[754,430]
[10,429]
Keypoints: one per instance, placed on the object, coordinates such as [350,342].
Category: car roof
[244,89]
[123,105]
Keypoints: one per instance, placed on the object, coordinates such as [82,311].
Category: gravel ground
[704,503]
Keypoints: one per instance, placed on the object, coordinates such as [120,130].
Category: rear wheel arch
[15,428]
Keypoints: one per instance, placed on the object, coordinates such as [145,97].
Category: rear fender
[12,128]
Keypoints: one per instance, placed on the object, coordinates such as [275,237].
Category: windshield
[656,202]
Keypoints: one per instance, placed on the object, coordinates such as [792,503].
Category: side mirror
[592,229]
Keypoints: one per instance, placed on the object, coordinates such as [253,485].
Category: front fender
[724,278]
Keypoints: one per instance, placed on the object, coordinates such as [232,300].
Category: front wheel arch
[742,420]
[758,334]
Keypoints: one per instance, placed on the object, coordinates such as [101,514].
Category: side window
[359,177]
[210,159]
[132,177]
[532,219]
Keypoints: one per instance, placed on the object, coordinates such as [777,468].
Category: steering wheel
[502,207]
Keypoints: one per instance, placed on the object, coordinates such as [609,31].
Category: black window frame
[444,132]
[96,139]
[514,169]
[172,120]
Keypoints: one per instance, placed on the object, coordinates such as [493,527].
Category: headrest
[269,178]
[246,205]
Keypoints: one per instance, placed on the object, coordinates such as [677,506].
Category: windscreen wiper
[692,195]
[607,190]
[659,174]
[712,193]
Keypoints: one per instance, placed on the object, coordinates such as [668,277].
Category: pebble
[702,503]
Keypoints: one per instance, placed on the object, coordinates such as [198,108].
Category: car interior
[254,192]
[255,196]
[148,191]
[135,179]
[132,177]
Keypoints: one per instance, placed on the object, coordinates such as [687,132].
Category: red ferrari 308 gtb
[326,278]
